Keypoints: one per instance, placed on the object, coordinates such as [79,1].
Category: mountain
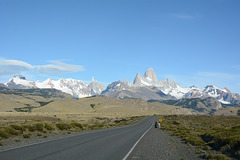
[149,87]
[208,105]
[20,82]
[124,90]
[146,87]
[3,85]
[76,88]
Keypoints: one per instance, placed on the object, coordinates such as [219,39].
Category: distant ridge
[76,88]
[149,87]
[146,87]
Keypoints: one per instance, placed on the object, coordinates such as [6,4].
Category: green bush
[11,130]
[48,126]
[78,125]
[63,126]
[31,128]
[3,134]
[26,135]
[194,140]
[39,134]
[17,127]
[39,127]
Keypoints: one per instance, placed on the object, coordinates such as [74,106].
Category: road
[103,144]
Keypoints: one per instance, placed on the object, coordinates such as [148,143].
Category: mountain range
[76,88]
[147,87]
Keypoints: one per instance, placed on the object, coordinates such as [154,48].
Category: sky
[192,42]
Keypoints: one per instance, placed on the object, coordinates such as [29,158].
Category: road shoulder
[158,144]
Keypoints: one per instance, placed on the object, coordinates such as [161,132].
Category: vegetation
[92,105]
[209,133]
[38,128]
[3,134]
[63,126]
[26,135]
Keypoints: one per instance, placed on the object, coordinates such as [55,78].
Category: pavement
[136,142]
[109,144]
[159,145]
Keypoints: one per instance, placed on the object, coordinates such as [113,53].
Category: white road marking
[130,151]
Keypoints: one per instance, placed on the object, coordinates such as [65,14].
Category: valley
[34,112]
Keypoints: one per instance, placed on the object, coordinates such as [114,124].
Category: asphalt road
[159,145]
[103,144]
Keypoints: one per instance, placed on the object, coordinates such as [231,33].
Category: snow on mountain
[76,88]
[149,84]
[173,89]
[20,82]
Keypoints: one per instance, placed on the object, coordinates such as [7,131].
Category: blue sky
[193,42]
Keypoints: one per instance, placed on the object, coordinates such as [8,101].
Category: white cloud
[217,75]
[58,67]
[13,67]
[9,67]
[182,16]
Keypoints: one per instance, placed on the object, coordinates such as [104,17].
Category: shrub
[26,135]
[62,126]
[78,125]
[3,134]
[48,126]
[92,105]
[39,127]
[31,128]
[11,131]
[39,134]
[17,127]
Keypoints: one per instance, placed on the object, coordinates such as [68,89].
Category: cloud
[13,67]
[58,67]
[9,67]
[217,75]
[182,16]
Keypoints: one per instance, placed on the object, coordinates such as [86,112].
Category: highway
[107,144]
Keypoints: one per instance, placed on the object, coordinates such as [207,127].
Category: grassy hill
[106,105]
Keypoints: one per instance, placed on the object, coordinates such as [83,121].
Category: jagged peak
[227,90]
[19,76]
[151,75]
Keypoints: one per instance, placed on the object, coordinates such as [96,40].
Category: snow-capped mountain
[20,82]
[146,87]
[169,89]
[76,88]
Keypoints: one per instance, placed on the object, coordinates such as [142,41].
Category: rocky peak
[19,77]
[227,90]
[150,75]
[125,81]
[137,80]
[20,82]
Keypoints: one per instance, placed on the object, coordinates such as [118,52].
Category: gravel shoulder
[159,145]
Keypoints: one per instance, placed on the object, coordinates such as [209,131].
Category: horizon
[189,42]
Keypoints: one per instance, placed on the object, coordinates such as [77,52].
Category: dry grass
[19,125]
[210,133]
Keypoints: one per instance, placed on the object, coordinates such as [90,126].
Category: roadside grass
[220,134]
[43,129]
